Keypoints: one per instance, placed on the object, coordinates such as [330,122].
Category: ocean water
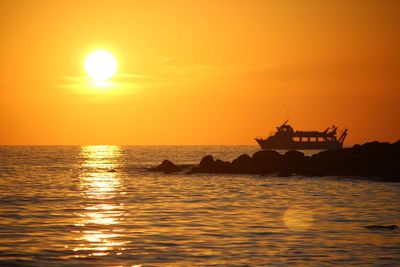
[98,206]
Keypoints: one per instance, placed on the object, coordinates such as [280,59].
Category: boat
[286,138]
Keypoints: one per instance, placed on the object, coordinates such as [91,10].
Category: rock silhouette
[207,163]
[167,167]
[292,161]
[375,159]
[221,166]
[267,161]
[243,163]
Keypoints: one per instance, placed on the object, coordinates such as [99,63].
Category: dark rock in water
[112,170]
[167,167]
[266,161]
[242,164]
[382,227]
[293,156]
[397,144]
[266,155]
[292,161]
[207,164]
[222,166]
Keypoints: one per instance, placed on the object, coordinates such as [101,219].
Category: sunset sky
[198,72]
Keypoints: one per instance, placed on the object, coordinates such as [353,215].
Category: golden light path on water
[100,185]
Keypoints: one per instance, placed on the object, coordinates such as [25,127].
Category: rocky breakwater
[375,159]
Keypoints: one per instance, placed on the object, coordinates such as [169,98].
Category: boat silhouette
[287,138]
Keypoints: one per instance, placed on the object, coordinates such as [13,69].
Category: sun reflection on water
[100,187]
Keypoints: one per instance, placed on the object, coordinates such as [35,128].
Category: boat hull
[267,144]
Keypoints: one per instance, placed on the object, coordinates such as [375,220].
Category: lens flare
[298,219]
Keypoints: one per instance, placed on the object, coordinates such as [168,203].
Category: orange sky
[198,72]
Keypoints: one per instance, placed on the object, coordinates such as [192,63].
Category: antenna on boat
[343,136]
[334,129]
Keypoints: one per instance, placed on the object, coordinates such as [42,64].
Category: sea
[100,206]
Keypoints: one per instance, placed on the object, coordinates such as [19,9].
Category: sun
[100,65]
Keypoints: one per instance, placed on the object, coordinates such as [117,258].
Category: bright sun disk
[100,65]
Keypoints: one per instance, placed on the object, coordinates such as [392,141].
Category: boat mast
[342,137]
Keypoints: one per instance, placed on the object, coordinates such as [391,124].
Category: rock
[397,144]
[167,167]
[242,164]
[266,155]
[222,166]
[112,170]
[207,164]
[292,161]
[266,161]
[293,155]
